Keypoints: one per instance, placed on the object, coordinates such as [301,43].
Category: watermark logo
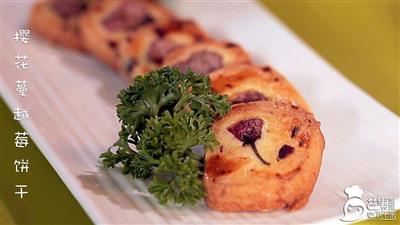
[356,207]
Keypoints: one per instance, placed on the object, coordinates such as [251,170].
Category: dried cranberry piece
[230,45]
[130,65]
[160,32]
[249,131]
[129,16]
[112,44]
[202,62]
[285,151]
[248,96]
[159,49]
[266,69]
[67,9]
[295,131]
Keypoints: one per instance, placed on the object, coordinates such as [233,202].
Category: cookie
[247,83]
[268,157]
[145,49]
[59,21]
[108,24]
[207,57]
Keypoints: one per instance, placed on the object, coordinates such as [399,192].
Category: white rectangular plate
[71,100]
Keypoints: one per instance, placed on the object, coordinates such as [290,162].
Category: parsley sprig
[164,114]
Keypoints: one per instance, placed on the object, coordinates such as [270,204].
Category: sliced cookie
[268,157]
[59,21]
[207,57]
[248,83]
[145,49]
[108,23]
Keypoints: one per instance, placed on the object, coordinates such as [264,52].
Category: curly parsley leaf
[177,180]
[164,114]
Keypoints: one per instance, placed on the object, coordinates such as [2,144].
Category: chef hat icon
[354,191]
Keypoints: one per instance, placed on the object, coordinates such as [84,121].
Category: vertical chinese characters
[21,139]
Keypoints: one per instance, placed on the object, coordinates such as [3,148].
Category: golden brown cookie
[247,83]
[108,23]
[207,57]
[268,157]
[59,21]
[145,49]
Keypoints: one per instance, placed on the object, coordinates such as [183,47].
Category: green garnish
[165,113]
